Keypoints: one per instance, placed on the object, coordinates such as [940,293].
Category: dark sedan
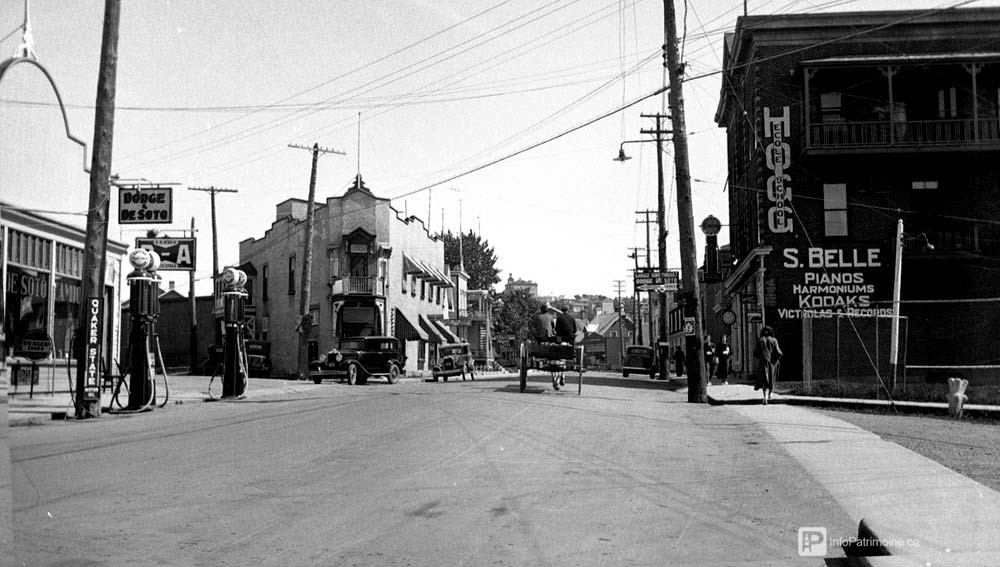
[357,358]
[639,360]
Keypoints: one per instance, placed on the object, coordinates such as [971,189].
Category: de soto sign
[145,206]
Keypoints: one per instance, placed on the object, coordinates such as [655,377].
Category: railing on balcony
[909,133]
[359,285]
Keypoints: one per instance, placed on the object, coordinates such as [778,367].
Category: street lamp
[661,240]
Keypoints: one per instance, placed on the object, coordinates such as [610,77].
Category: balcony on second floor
[358,285]
[915,103]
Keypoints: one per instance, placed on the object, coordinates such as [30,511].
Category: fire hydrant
[956,396]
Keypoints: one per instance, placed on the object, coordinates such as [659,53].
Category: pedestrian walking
[679,357]
[722,352]
[710,361]
[768,353]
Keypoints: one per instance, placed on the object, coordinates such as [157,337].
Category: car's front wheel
[394,374]
[352,374]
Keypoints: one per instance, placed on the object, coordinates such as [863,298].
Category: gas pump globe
[235,367]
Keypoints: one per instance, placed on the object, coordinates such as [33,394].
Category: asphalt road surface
[457,473]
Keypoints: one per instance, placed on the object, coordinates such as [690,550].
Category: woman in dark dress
[768,352]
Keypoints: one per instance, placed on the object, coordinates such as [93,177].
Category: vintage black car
[639,360]
[258,359]
[454,359]
[357,358]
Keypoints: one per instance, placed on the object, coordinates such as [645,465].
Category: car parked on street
[358,358]
[454,359]
[639,359]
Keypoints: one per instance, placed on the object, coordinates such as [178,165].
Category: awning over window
[425,271]
[433,334]
[444,280]
[446,332]
[406,330]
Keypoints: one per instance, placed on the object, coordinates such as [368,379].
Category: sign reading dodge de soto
[175,253]
[145,206]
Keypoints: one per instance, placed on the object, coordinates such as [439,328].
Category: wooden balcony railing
[909,133]
[359,285]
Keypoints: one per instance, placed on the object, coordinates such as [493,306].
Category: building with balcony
[470,317]
[374,272]
[839,126]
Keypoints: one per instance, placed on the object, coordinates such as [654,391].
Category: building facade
[374,272]
[42,268]
[842,127]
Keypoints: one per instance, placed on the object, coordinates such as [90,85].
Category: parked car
[358,358]
[258,359]
[454,359]
[639,360]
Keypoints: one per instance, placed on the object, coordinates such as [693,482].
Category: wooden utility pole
[91,335]
[621,316]
[193,302]
[635,296]
[215,253]
[305,318]
[697,392]
[649,263]
[661,237]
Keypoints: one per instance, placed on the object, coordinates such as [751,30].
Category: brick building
[840,125]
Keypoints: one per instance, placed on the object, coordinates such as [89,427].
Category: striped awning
[422,270]
[406,330]
[446,332]
[433,334]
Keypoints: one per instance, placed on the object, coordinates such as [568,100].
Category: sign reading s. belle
[825,281]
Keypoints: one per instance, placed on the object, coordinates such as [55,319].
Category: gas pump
[144,308]
[235,367]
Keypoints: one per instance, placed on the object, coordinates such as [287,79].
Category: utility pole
[635,297]
[91,335]
[646,221]
[193,303]
[697,392]
[215,253]
[305,318]
[661,238]
[621,315]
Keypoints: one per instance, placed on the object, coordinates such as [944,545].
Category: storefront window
[26,303]
[67,309]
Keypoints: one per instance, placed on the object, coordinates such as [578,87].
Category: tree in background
[480,259]
[516,315]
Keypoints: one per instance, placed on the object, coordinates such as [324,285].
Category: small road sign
[649,279]
[689,326]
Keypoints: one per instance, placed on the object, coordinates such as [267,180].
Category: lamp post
[662,353]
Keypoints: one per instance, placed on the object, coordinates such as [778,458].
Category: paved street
[458,473]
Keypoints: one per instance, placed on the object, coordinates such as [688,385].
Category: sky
[471,112]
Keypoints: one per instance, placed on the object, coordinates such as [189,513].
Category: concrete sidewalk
[909,508]
[181,389]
